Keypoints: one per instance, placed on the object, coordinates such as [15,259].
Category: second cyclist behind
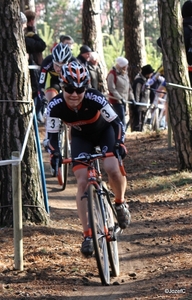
[48,86]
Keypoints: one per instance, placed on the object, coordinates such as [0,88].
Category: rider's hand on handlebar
[120,149]
[44,101]
[56,156]
[42,98]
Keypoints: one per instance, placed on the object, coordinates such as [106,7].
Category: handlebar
[90,157]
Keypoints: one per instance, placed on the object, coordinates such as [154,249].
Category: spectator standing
[67,39]
[94,71]
[142,94]
[64,39]
[30,31]
[157,84]
[33,44]
[119,87]
[84,55]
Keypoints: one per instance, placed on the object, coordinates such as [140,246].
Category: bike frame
[100,215]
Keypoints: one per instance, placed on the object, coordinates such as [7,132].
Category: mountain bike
[102,214]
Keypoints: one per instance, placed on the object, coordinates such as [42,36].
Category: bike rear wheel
[112,224]
[64,148]
[96,221]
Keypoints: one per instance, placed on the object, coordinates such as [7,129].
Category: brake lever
[121,165]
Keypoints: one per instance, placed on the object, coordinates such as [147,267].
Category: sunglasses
[70,89]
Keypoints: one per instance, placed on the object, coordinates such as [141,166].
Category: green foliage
[75,49]
[151,21]
[113,47]
[63,16]
[46,33]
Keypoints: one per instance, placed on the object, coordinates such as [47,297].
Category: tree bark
[134,36]
[15,110]
[176,72]
[92,34]
[134,43]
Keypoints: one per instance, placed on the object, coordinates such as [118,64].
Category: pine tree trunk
[134,42]
[92,35]
[134,36]
[15,111]
[176,72]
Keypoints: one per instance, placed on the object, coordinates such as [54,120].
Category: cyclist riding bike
[51,65]
[94,123]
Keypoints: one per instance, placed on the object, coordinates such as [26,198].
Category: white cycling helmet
[61,53]
[75,74]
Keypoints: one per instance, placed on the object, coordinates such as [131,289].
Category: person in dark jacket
[30,32]
[84,55]
[142,95]
[34,44]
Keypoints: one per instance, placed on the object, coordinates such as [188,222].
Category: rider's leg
[118,184]
[87,244]
[81,177]
[117,181]
[78,146]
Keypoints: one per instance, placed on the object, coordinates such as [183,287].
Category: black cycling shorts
[82,145]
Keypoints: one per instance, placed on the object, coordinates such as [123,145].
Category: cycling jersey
[89,121]
[47,68]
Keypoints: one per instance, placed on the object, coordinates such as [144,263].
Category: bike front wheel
[113,229]
[96,220]
[64,148]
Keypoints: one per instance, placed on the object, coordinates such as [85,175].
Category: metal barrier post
[17,212]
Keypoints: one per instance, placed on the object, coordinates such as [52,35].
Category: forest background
[65,17]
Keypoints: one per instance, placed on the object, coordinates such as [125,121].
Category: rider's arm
[45,67]
[119,130]
[107,112]
[110,116]
[52,127]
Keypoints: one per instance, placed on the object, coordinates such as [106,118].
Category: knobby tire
[98,233]
[64,148]
[112,246]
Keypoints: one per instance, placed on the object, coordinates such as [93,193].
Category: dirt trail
[155,251]
[153,248]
